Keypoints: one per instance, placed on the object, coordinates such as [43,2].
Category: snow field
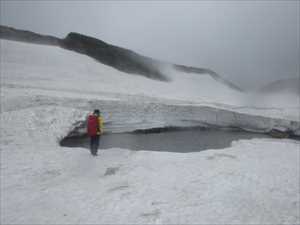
[252,182]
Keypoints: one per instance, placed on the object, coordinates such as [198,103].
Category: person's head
[97,112]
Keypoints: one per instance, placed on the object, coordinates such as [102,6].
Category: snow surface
[52,71]
[44,90]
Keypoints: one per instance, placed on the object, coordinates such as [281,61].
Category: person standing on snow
[95,130]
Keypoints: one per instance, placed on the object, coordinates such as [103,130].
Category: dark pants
[94,145]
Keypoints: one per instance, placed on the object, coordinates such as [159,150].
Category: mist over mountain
[120,58]
[291,85]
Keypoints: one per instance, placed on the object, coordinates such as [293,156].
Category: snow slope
[44,90]
[34,73]
[62,70]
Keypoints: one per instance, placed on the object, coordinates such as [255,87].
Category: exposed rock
[12,34]
[279,133]
[119,58]
[213,74]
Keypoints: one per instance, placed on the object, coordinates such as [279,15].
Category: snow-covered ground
[45,90]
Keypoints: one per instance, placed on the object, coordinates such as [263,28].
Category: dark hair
[97,111]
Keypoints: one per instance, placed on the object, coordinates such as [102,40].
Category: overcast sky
[248,42]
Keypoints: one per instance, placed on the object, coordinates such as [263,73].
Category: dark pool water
[173,141]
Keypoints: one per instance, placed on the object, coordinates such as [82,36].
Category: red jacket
[94,125]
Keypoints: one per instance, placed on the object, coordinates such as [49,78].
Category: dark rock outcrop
[12,34]
[120,58]
[217,77]
[279,133]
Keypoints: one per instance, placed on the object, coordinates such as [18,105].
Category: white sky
[249,42]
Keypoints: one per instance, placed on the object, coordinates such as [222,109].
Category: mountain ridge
[10,33]
[120,58]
